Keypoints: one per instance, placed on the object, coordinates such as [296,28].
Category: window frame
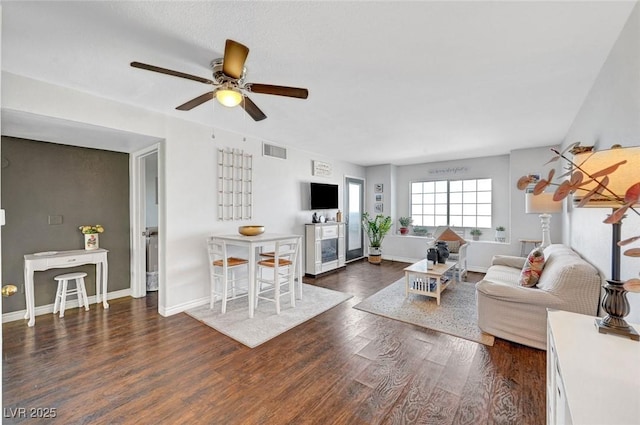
[446,211]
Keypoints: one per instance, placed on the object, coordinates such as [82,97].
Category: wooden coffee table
[430,282]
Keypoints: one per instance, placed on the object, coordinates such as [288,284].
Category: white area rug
[456,315]
[266,324]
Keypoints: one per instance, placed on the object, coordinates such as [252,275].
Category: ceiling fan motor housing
[220,77]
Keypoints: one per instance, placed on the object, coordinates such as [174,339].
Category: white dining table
[62,259]
[253,243]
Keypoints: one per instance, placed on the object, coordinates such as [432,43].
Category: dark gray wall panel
[84,186]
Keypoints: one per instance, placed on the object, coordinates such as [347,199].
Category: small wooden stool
[62,292]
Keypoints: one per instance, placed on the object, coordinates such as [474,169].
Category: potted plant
[501,235]
[475,233]
[405,222]
[376,229]
[420,230]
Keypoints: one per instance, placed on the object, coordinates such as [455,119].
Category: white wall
[610,114]
[188,202]
[493,167]
[524,162]
[508,202]
[381,174]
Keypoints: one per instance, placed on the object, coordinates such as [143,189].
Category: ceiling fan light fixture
[229,96]
[228,84]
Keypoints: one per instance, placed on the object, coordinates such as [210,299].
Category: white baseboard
[182,307]
[48,309]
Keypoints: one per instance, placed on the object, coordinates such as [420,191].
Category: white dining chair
[226,284]
[276,273]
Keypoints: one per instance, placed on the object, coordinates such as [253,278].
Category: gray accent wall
[42,182]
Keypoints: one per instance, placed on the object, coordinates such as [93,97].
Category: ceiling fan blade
[196,102]
[234,56]
[170,72]
[278,90]
[252,109]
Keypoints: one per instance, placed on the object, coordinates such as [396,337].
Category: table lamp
[615,302]
[544,205]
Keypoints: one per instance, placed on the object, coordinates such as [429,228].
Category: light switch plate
[55,219]
[1,217]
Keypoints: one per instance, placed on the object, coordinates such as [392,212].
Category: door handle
[8,290]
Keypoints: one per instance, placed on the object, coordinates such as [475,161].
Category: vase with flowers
[602,179]
[91,236]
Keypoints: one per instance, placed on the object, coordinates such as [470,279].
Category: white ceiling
[389,82]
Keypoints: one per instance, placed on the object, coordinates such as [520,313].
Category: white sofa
[519,314]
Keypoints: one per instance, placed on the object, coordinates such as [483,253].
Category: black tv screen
[323,196]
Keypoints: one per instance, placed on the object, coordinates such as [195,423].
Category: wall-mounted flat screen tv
[323,196]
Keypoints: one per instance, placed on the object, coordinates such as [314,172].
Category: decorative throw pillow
[532,268]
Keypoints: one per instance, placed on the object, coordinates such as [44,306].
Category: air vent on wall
[274,151]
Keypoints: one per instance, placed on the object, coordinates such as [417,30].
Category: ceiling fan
[229,85]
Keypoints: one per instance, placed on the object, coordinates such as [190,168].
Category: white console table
[62,259]
[592,378]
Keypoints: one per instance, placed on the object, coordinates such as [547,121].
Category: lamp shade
[444,233]
[541,204]
[619,181]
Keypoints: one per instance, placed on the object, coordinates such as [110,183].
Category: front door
[354,207]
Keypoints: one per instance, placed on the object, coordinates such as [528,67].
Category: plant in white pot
[501,234]
[376,229]
[475,234]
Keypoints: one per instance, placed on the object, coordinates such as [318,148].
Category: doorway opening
[146,264]
[151,221]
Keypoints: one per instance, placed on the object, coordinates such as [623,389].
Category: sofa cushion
[564,267]
[503,274]
[532,268]
[508,260]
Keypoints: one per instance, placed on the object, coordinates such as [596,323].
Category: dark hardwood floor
[128,364]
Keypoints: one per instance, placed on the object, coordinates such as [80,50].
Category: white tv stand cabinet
[324,247]
[592,378]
